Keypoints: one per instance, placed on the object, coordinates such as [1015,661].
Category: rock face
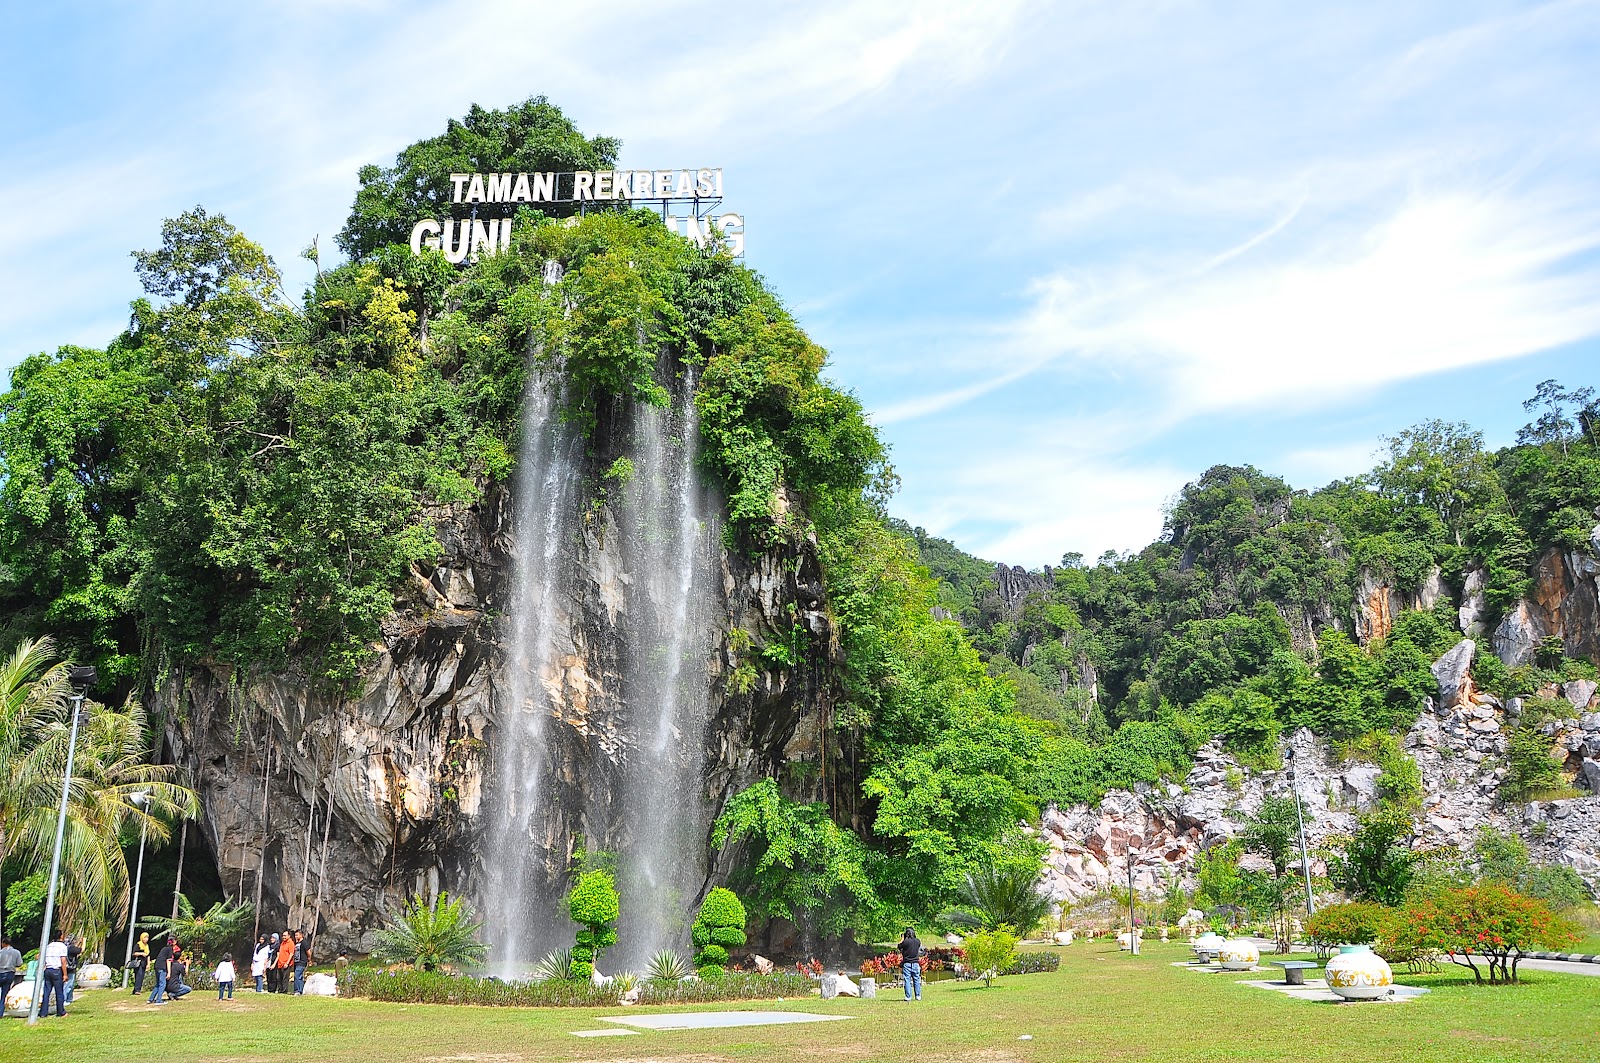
[408,758]
[1378,601]
[1565,603]
[1458,748]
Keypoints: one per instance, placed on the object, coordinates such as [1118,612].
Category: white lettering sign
[467,238]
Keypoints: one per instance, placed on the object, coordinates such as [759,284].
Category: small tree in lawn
[718,928]
[1487,922]
[990,952]
[594,907]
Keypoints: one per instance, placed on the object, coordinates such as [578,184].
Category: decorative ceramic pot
[94,976]
[1240,954]
[1064,937]
[18,999]
[1358,973]
[1207,945]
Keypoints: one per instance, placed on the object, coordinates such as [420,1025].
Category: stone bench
[1294,971]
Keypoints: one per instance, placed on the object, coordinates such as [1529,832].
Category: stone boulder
[1453,673]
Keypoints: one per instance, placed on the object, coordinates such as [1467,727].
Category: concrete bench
[1294,971]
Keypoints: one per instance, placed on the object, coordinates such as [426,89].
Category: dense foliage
[718,927]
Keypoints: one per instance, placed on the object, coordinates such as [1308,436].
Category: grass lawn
[1102,1005]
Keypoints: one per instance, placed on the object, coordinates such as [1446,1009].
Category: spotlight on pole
[141,798]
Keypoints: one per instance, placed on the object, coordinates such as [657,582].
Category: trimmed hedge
[436,987]
[1034,963]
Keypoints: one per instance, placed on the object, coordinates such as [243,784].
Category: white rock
[321,985]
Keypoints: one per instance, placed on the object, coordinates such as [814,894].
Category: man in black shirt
[911,964]
[158,995]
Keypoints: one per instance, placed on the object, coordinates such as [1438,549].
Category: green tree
[989,952]
[1377,863]
[529,137]
[1273,833]
[1000,894]
[718,927]
[431,936]
[593,905]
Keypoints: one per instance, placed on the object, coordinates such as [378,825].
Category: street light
[82,678]
[1133,927]
[142,799]
[1305,862]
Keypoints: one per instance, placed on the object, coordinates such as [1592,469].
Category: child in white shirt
[224,976]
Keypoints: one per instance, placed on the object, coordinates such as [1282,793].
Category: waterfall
[603,702]
[671,548]
[517,907]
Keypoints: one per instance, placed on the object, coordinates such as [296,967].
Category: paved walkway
[1562,966]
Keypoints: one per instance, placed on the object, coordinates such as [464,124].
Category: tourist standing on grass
[158,995]
[302,956]
[140,962]
[341,974]
[272,964]
[911,964]
[74,955]
[55,977]
[259,960]
[285,960]
[224,976]
[9,958]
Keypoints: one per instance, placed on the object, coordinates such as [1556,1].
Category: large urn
[1358,973]
[1240,954]
[1207,945]
[18,999]
[94,976]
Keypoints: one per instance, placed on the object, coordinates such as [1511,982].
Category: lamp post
[142,799]
[1133,926]
[81,678]
[1305,862]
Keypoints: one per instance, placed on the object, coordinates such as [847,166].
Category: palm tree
[429,935]
[110,766]
[220,924]
[28,686]
[1000,895]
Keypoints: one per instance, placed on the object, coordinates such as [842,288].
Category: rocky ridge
[1458,743]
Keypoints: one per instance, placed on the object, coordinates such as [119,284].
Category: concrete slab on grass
[605,1033]
[708,1020]
[1211,968]
[1316,989]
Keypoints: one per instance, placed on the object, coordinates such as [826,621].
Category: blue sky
[1068,254]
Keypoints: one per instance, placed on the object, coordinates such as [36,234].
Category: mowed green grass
[1102,1005]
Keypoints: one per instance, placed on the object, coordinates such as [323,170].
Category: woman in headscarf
[260,956]
[140,963]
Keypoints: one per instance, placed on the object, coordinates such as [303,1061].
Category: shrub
[1034,963]
[1357,923]
[667,966]
[436,987]
[718,927]
[1489,922]
[989,953]
[593,905]
[430,935]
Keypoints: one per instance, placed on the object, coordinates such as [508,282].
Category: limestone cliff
[407,757]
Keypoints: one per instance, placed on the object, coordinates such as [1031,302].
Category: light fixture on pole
[82,678]
[142,799]
[1305,862]
[1133,926]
